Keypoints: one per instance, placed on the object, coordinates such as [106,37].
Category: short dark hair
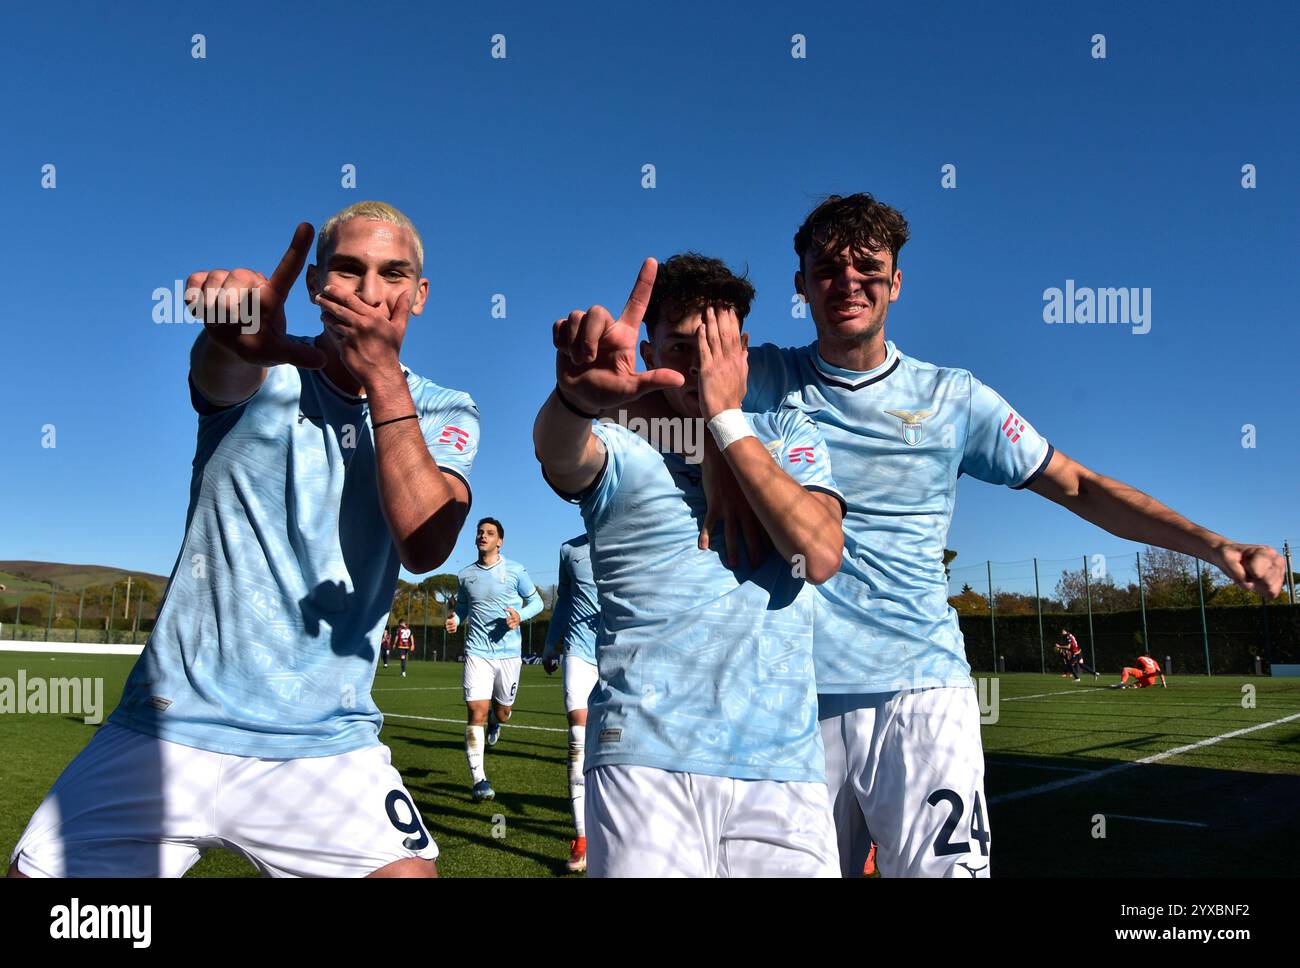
[690,281]
[501,531]
[858,221]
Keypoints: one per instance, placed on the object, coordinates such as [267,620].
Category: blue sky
[524,175]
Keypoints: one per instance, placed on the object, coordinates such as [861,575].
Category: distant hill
[22,578]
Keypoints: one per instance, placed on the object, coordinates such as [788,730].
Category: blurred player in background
[405,644]
[703,756]
[494,595]
[571,640]
[1074,657]
[1063,651]
[1144,674]
[322,465]
[384,645]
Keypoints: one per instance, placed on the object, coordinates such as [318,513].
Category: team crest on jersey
[913,429]
[774,448]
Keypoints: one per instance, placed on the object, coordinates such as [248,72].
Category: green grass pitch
[1222,809]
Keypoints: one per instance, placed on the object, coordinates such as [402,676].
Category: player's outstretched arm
[1126,512]
[803,525]
[595,370]
[244,328]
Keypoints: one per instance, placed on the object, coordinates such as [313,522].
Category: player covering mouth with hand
[321,466]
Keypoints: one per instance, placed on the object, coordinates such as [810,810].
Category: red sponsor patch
[802,455]
[1013,426]
[454,436]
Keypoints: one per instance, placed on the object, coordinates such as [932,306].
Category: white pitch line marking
[1153,709]
[1121,767]
[1023,764]
[1040,695]
[1180,823]
[461,722]
[537,685]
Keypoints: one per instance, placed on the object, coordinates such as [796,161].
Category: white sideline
[1120,767]
[461,722]
[531,686]
[1059,692]
[1027,765]
[1180,823]
[69,648]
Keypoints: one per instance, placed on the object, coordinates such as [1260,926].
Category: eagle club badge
[913,430]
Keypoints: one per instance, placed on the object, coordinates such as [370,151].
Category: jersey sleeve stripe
[586,491]
[462,478]
[844,506]
[1047,459]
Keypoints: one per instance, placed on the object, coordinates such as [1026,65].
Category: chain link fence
[1185,613]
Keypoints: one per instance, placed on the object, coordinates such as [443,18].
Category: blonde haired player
[322,465]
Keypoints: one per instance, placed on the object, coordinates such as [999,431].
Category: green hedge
[1236,636]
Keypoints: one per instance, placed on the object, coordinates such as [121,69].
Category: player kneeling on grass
[321,466]
[572,640]
[496,595]
[703,756]
[1144,675]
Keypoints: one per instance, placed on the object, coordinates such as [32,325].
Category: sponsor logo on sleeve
[455,436]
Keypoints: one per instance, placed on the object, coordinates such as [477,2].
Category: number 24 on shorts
[944,845]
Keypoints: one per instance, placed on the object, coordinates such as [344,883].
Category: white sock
[577,786]
[474,752]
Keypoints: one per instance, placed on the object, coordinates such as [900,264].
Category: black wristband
[384,423]
[571,408]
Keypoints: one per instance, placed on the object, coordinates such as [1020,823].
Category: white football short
[580,678]
[496,679]
[645,822]
[907,770]
[132,805]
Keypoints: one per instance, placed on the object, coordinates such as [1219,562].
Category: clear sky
[525,176]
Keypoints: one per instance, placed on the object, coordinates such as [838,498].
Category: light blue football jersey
[268,633]
[576,615]
[482,596]
[701,669]
[899,437]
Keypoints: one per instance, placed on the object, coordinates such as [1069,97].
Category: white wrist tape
[729,427]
